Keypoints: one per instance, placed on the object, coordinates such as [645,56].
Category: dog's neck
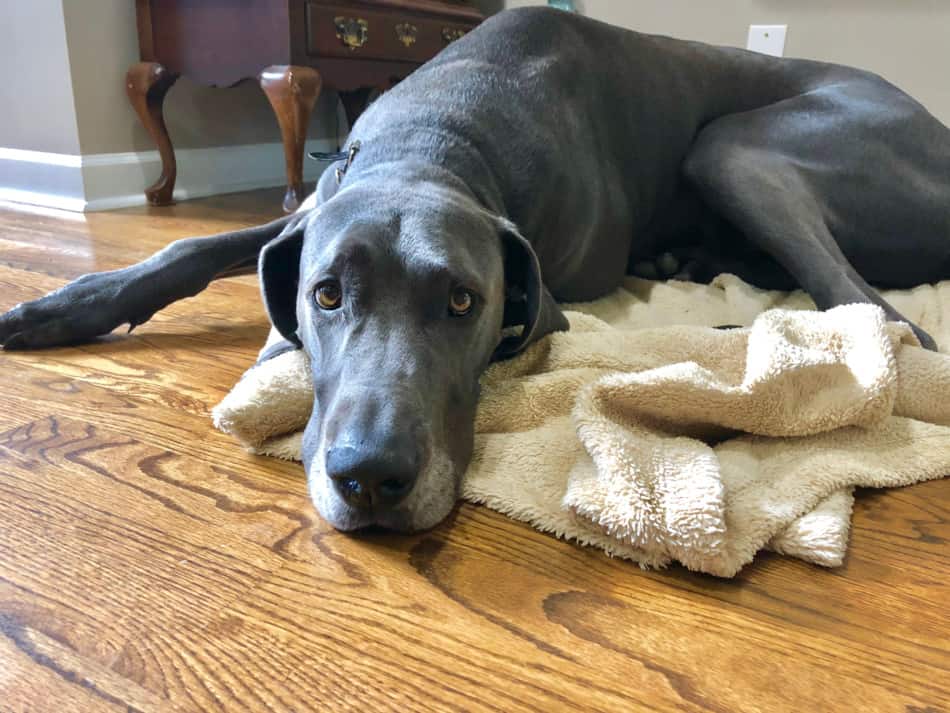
[430,154]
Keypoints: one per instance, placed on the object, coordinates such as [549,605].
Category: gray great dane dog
[538,159]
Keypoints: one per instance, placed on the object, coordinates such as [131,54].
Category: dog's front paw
[79,311]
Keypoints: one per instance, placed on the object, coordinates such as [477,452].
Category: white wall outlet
[767,39]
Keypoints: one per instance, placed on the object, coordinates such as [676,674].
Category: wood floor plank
[172,493]
[141,564]
[158,424]
[40,673]
[148,563]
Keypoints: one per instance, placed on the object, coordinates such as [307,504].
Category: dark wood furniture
[295,48]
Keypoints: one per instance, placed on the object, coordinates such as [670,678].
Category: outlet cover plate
[767,39]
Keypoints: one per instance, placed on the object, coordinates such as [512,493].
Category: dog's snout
[373,476]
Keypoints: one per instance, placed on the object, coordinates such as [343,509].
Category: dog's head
[399,295]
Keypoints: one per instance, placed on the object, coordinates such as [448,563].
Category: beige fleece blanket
[646,433]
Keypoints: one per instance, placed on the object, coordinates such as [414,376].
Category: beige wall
[906,41]
[36,96]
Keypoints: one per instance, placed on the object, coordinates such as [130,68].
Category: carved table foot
[292,91]
[147,83]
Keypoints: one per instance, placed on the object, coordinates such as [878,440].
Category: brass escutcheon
[407,33]
[450,34]
[353,32]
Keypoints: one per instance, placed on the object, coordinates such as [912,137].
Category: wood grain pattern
[147,563]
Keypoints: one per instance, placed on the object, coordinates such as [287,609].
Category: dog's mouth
[430,502]
[350,519]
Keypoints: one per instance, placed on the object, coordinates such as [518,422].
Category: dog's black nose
[365,476]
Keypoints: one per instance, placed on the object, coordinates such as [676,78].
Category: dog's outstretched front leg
[97,303]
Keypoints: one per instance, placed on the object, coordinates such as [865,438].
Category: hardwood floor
[147,563]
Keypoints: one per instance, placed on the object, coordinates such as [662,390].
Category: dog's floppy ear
[278,269]
[527,300]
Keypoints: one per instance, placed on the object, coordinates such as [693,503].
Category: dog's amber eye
[461,301]
[329,295]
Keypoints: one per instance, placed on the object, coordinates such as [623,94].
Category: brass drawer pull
[353,32]
[407,33]
[450,34]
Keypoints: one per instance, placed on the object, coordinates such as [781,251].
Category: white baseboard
[47,200]
[94,182]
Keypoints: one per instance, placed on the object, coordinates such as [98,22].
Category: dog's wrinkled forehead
[423,224]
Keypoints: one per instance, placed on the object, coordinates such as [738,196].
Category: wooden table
[295,48]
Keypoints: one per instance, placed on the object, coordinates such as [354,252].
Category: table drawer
[341,31]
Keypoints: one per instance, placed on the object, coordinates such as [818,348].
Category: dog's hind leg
[763,194]
[97,303]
